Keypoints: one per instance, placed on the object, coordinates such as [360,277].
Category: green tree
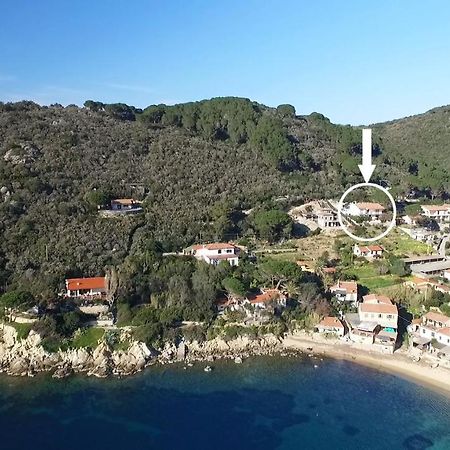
[234,287]
[272,225]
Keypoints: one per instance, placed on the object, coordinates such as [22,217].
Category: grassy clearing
[88,338]
[401,244]
[23,329]
[368,276]
[308,248]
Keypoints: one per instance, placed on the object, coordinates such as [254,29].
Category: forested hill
[195,165]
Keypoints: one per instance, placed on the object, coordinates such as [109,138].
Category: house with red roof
[376,323]
[360,209]
[267,298]
[215,253]
[332,325]
[368,251]
[88,288]
[345,291]
[440,213]
[432,332]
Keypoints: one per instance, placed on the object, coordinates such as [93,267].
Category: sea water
[264,403]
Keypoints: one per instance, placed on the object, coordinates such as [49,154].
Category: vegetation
[220,169]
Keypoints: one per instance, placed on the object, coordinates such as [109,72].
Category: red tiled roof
[266,297]
[74,284]
[125,201]
[329,269]
[370,248]
[445,331]
[375,298]
[378,308]
[331,322]
[370,206]
[436,317]
[435,208]
[348,286]
[213,246]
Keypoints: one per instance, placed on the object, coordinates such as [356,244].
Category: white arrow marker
[366,167]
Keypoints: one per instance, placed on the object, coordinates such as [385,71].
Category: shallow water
[264,403]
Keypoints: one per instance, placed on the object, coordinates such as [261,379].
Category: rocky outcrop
[27,357]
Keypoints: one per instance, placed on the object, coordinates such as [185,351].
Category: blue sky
[357,62]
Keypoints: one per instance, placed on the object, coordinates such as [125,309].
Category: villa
[368,251]
[345,291]
[440,213]
[215,253]
[327,218]
[432,333]
[331,325]
[87,288]
[266,298]
[376,323]
[373,210]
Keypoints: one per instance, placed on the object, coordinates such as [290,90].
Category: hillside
[196,166]
[423,141]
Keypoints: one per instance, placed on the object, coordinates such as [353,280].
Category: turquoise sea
[264,403]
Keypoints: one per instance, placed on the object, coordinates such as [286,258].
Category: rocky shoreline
[27,357]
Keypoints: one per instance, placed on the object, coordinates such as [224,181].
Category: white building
[440,213]
[215,253]
[376,323]
[373,210]
[368,251]
[327,218]
[345,291]
[331,325]
[95,287]
[432,332]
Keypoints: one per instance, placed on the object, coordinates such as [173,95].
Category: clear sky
[357,62]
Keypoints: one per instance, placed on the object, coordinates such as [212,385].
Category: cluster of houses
[432,333]
[368,251]
[253,304]
[374,326]
[430,235]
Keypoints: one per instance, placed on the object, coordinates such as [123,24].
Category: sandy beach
[398,364]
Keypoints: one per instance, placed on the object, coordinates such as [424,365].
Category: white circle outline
[388,229]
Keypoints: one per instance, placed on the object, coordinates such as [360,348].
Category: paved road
[442,245]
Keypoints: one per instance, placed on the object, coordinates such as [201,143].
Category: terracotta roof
[417,321]
[267,296]
[370,206]
[445,331]
[378,308]
[436,317]
[434,208]
[74,284]
[370,248]
[213,246]
[375,298]
[348,286]
[224,301]
[125,201]
[329,269]
[331,322]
